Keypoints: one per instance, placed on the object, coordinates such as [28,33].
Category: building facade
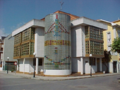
[110,34]
[8,53]
[60,44]
[1,50]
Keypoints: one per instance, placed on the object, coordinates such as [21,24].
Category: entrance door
[119,67]
[98,65]
[114,66]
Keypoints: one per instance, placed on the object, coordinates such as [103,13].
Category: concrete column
[23,65]
[100,64]
[96,64]
[2,65]
[17,65]
[117,67]
[111,67]
[81,65]
[36,65]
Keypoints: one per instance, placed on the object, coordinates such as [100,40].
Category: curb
[60,78]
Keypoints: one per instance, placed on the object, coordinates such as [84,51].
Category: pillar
[23,65]
[81,65]
[36,65]
[100,64]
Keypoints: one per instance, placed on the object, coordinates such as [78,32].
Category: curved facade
[57,49]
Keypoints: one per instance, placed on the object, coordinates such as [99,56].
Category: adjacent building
[1,50]
[110,34]
[8,52]
[60,44]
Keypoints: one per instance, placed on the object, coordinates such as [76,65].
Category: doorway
[114,66]
[98,64]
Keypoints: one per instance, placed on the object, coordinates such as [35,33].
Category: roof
[87,21]
[32,23]
[112,23]
[72,17]
[116,21]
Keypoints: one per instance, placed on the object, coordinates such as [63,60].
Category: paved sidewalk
[57,78]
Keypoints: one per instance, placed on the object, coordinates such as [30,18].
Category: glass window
[92,61]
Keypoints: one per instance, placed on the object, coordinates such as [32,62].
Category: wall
[78,36]
[39,42]
[76,63]
[8,50]
[28,66]
[21,67]
[87,67]
[117,22]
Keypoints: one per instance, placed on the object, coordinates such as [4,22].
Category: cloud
[2,32]
[17,26]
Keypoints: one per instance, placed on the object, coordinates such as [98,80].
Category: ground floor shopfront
[114,66]
[82,65]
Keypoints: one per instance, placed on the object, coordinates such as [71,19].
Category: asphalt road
[12,82]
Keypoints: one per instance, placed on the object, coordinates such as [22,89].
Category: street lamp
[7,64]
[34,65]
[90,66]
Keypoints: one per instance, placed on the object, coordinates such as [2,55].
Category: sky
[15,13]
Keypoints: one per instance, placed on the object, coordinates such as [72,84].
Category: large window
[31,48]
[16,51]
[92,61]
[93,33]
[24,43]
[40,62]
[95,48]
[17,39]
[94,40]
[26,35]
[25,49]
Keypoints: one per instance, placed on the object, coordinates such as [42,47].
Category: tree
[116,45]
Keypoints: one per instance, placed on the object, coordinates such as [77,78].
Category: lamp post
[90,66]
[7,64]
[34,65]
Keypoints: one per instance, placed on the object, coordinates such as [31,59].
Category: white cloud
[17,26]
[2,32]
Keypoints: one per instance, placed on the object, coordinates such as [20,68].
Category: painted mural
[57,42]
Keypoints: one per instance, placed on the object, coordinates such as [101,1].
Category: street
[12,82]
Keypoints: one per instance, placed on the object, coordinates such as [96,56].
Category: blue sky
[15,13]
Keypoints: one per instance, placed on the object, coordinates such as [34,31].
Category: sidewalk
[57,78]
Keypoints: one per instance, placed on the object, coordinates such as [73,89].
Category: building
[110,34]
[1,50]
[8,53]
[60,44]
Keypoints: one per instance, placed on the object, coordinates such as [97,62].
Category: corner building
[62,44]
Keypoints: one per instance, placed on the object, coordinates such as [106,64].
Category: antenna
[61,3]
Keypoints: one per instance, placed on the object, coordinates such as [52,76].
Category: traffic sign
[15,63]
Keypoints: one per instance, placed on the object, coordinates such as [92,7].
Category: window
[34,61]
[40,62]
[25,49]
[92,61]
[119,33]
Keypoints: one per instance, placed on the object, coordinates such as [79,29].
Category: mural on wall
[57,42]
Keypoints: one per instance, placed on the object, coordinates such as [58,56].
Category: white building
[84,45]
